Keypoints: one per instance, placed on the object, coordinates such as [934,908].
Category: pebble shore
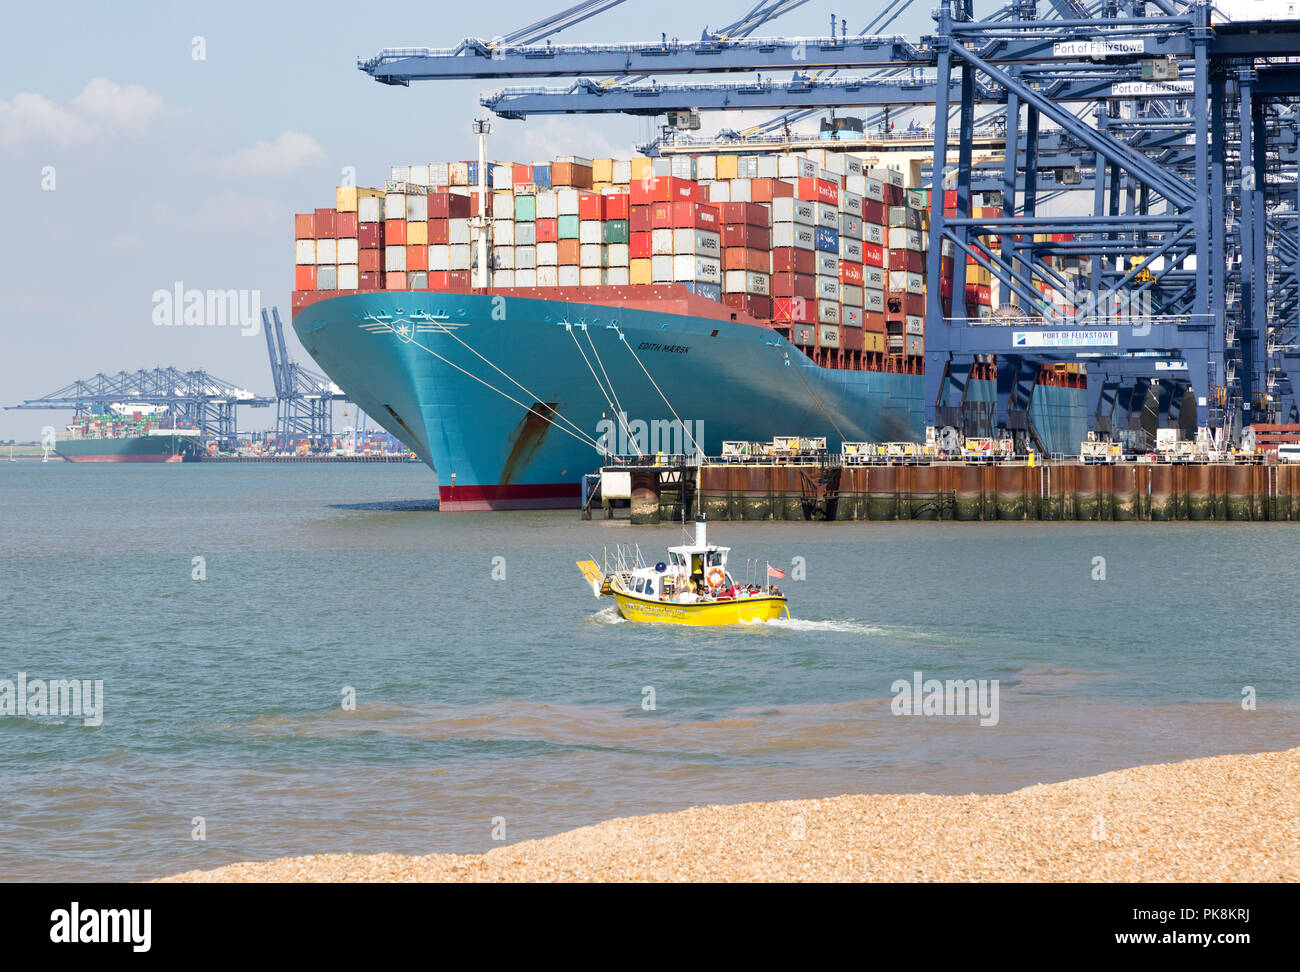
[1224,818]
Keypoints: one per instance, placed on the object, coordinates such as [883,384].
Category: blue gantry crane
[1168,130]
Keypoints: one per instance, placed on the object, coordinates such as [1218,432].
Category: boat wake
[843,626]
[608,615]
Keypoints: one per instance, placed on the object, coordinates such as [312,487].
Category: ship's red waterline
[476,498]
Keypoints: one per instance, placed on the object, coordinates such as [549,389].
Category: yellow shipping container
[873,341]
[642,168]
[727,167]
[639,271]
[345,199]
[417,234]
[602,170]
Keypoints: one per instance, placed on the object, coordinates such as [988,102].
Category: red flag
[774,571]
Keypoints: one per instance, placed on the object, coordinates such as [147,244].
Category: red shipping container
[979,294]
[395,232]
[794,285]
[458,279]
[591,205]
[908,260]
[372,280]
[569,252]
[663,189]
[438,279]
[697,215]
[304,278]
[789,258]
[851,339]
[873,321]
[765,190]
[661,215]
[395,280]
[741,258]
[368,260]
[796,309]
[874,212]
[873,255]
[819,190]
[757,307]
[325,224]
[345,225]
[548,230]
[449,205]
[617,205]
[417,257]
[304,226]
[742,234]
[851,273]
[898,305]
[893,194]
[370,236]
[641,219]
[640,245]
[438,229]
[945,286]
[748,213]
[521,174]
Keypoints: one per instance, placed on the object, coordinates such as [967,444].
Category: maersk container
[793,234]
[827,240]
[828,288]
[700,269]
[827,264]
[873,300]
[900,281]
[828,336]
[901,238]
[828,312]
[850,295]
[828,216]
[697,241]
[661,268]
[851,250]
[787,209]
[852,317]
[712,291]
[873,277]
[874,234]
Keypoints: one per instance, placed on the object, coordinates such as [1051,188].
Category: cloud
[547,138]
[103,109]
[235,212]
[283,155]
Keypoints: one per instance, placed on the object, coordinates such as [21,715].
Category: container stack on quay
[816,245]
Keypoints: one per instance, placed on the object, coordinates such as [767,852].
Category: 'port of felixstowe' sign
[1065,339]
[1150,89]
[1098,48]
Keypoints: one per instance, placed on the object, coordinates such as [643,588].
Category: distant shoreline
[1221,818]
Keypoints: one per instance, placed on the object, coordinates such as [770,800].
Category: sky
[145,146]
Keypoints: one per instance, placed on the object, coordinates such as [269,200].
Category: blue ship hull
[455,375]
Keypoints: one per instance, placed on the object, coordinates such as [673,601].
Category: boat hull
[745,610]
[512,399]
[135,448]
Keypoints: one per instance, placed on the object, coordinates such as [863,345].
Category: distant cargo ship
[129,433]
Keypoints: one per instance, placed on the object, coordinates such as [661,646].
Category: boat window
[640,585]
[715,559]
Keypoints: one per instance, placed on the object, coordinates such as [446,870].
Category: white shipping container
[795,167]
[697,269]
[347,250]
[616,255]
[305,253]
[852,165]
[661,241]
[622,172]
[617,276]
[746,282]
[503,278]
[828,216]
[789,210]
[503,232]
[914,325]
[502,175]
[891,176]
[900,281]
[719,192]
[850,227]
[697,241]
[370,209]
[400,173]
[661,269]
[850,316]
[525,234]
[459,172]
[548,255]
[902,238]
[526,278]
[833,163]
[706,168]
[873,189]
[850,295]
[591,255]
[871,233]
[546,200]
[793,234]
[742,190]
[828,264]
[589,231]
[851,250]
[458,231]
[548,276]
[828,312]
[395,205]
[567,276]
[419,175]
[439,256]
[828,288]
[590,276]
[395,258]
[327,251]
[566,202]
[767,167]
[873,277]
[873,300]
[850,202]
[439,174]
[459,257]
[525,258]
[349,276]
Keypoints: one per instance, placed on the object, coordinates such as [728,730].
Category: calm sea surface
[522,699]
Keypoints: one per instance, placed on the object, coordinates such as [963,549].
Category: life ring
[715,577]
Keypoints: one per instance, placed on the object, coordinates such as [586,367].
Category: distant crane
[304,398]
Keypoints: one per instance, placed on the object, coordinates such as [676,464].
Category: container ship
[628,308]
[128,433]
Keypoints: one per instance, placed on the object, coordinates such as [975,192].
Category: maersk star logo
[405,332]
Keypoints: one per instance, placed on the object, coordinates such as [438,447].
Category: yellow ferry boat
[692,587]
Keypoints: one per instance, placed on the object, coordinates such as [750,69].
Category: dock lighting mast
[482,128]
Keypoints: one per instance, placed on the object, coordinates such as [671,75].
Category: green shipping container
[568,227]
[525,209]
[614,231]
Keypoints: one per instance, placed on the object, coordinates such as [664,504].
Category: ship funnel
[700,538]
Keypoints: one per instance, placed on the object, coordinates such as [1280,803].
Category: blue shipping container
[827,239]
[711,291]
[542,176]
